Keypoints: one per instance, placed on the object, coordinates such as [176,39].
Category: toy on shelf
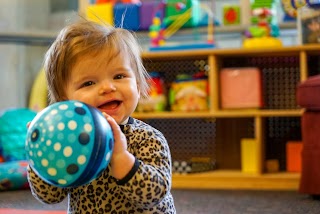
[291,7]
[231,15]
[122,13]
[69,143]
[241,88]
[264,30]
[189,93]
[309,21]
[157,100]
[178,14]
[293,156]
[249,155]
[290,10]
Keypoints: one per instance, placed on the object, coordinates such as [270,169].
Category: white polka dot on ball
[78,104]
[61,126]
[62,181]
[44,162]
[51,128]
[72,125]
[39,153]
[63,107]
[67,152]
[54,112]
[87,127]
[52,171]
[57,146]
[82,159]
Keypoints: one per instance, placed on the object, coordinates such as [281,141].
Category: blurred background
[27,28]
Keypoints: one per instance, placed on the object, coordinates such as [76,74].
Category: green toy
[264,28]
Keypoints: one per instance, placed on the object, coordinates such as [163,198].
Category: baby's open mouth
[110,105]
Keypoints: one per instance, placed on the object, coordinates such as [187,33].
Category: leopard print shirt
[146,188]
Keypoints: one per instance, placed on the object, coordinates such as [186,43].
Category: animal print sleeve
[152,181]
[43,191]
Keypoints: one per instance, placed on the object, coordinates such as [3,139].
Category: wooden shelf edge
[259,51]
[236,180]
[220,114]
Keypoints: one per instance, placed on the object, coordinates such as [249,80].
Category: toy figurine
[264,30]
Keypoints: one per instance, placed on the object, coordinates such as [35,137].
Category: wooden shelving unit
[302,63]
[232,179]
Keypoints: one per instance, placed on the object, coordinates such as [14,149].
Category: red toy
[157,100]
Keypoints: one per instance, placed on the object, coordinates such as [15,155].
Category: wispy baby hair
[83,38]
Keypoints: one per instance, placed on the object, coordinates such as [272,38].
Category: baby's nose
[107,87]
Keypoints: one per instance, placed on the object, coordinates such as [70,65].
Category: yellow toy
[262,42]
[39,93]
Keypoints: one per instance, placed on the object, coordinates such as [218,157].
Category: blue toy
[69,144]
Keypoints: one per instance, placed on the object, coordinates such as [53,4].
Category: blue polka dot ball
[69,144]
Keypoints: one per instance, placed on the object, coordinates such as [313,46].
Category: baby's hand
[120,144]
[121,161]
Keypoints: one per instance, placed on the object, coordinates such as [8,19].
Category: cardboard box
[241,88]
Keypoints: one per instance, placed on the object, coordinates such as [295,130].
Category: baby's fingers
[117,133]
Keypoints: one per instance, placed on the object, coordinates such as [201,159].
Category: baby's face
[107,84]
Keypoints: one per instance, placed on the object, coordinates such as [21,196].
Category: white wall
[19,63]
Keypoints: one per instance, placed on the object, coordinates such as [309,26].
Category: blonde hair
[86,37]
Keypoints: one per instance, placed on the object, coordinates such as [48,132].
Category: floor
[201,202]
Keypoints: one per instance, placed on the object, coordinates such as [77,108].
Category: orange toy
[294,150]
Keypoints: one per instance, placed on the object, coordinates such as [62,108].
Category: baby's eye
[86,84]
[119,76]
